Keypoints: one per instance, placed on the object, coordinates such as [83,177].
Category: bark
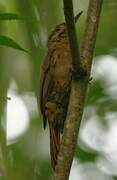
[79,86]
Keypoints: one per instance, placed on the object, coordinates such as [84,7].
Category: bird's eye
[57,29]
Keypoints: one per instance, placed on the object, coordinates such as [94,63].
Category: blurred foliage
[6,41]
[27,157]
[10,16]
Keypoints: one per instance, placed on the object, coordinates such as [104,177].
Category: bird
[55,86]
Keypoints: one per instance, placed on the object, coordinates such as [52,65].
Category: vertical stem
[3,147]
[78,93]
[70,23]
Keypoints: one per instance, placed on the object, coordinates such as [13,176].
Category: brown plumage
[55,86]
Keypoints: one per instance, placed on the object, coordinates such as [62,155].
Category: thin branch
[3,149]
[91,29]
[78,92]
[70,22]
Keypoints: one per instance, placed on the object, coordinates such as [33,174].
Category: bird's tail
[54,144]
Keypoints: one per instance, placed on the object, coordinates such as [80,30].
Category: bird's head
[60,30]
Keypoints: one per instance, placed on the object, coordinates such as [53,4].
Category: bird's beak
[78,16]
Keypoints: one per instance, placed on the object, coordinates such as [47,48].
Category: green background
[27,156]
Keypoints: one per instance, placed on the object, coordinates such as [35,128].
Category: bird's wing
[45,85]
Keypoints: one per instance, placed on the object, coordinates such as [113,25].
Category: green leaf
[84,155]
[6,41]
[10,16]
